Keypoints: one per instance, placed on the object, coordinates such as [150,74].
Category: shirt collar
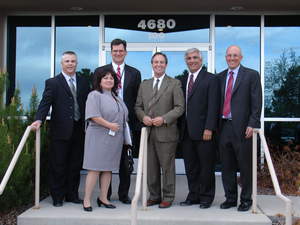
[195,73]
[160,78]
[115,66]
[67,77]
[235,71]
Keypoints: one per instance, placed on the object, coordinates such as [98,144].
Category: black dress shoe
[189,202]
[126,201]
[244,206]
[204,205]
[74,200]
[57,203]
[109,206]
[227,205]
[88,209]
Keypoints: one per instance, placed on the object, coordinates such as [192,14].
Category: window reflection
[28,58]
[243,31]
[81,35]
[282,66]
[139,60]
[32,60]
[283,136]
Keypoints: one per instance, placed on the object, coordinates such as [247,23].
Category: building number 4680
[159,24]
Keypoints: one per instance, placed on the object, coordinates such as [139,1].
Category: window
[28,55]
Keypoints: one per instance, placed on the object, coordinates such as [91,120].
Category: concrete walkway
[73,214]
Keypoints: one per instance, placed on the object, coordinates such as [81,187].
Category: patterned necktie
[153,99]
[76,107]
[155,89]
[227,108]
[190,85]
[119,77]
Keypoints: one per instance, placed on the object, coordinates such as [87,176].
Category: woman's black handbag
[130,160]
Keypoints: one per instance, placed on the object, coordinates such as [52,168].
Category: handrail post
[288,213]
[254,171]
[14,159]
[143,149]
[37,167]
[144,202]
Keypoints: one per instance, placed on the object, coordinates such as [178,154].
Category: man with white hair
[198,126]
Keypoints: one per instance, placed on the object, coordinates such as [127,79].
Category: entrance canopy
[152,6]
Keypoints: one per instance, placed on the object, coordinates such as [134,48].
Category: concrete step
[73,214]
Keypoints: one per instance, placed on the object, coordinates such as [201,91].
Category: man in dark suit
[241,102]
[66,93]
[130,79]
[159,104]
[198,126]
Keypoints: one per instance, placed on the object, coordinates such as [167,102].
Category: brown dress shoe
[152,202]
[165,204]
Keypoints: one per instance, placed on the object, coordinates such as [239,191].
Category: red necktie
[190,85]
[119,77]
[226,108]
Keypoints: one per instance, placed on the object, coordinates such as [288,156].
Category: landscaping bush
[20,187]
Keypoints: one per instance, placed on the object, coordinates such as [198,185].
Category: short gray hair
[68,53]
[192,50]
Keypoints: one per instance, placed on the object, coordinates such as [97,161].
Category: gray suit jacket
[168,104]
[246,100]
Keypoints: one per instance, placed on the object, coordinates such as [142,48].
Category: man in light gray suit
[241,103]
[159,103]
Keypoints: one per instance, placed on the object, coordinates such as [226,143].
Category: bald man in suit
[159,104]
[241,103]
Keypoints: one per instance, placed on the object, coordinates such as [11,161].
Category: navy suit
[66,134]
[199,156]
[132,80]
[235,149]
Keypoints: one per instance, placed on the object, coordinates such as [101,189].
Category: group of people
[193,110]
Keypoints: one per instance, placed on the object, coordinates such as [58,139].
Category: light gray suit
[162,142]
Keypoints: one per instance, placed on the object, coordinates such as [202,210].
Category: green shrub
[20,187]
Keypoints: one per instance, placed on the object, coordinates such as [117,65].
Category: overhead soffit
[150,6]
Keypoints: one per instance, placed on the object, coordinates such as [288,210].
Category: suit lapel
[223,84]
[127,77]
[162,87]
[64,83]
[197,81]
[78,85]
[239,79]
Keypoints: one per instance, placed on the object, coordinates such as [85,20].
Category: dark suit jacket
[57,94]
[132,80]
[168,104]
[202,105]
[246,100]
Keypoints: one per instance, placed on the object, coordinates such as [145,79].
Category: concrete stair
[73,214]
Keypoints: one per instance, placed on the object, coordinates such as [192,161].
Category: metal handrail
[37,164]
[288,203]
[141,173]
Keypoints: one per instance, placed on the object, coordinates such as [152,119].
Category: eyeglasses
[232,55]
[118,51]
[192,57]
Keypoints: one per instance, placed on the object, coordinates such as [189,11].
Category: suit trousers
[65,164]
[161,158]
[235,153]
[199,160]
